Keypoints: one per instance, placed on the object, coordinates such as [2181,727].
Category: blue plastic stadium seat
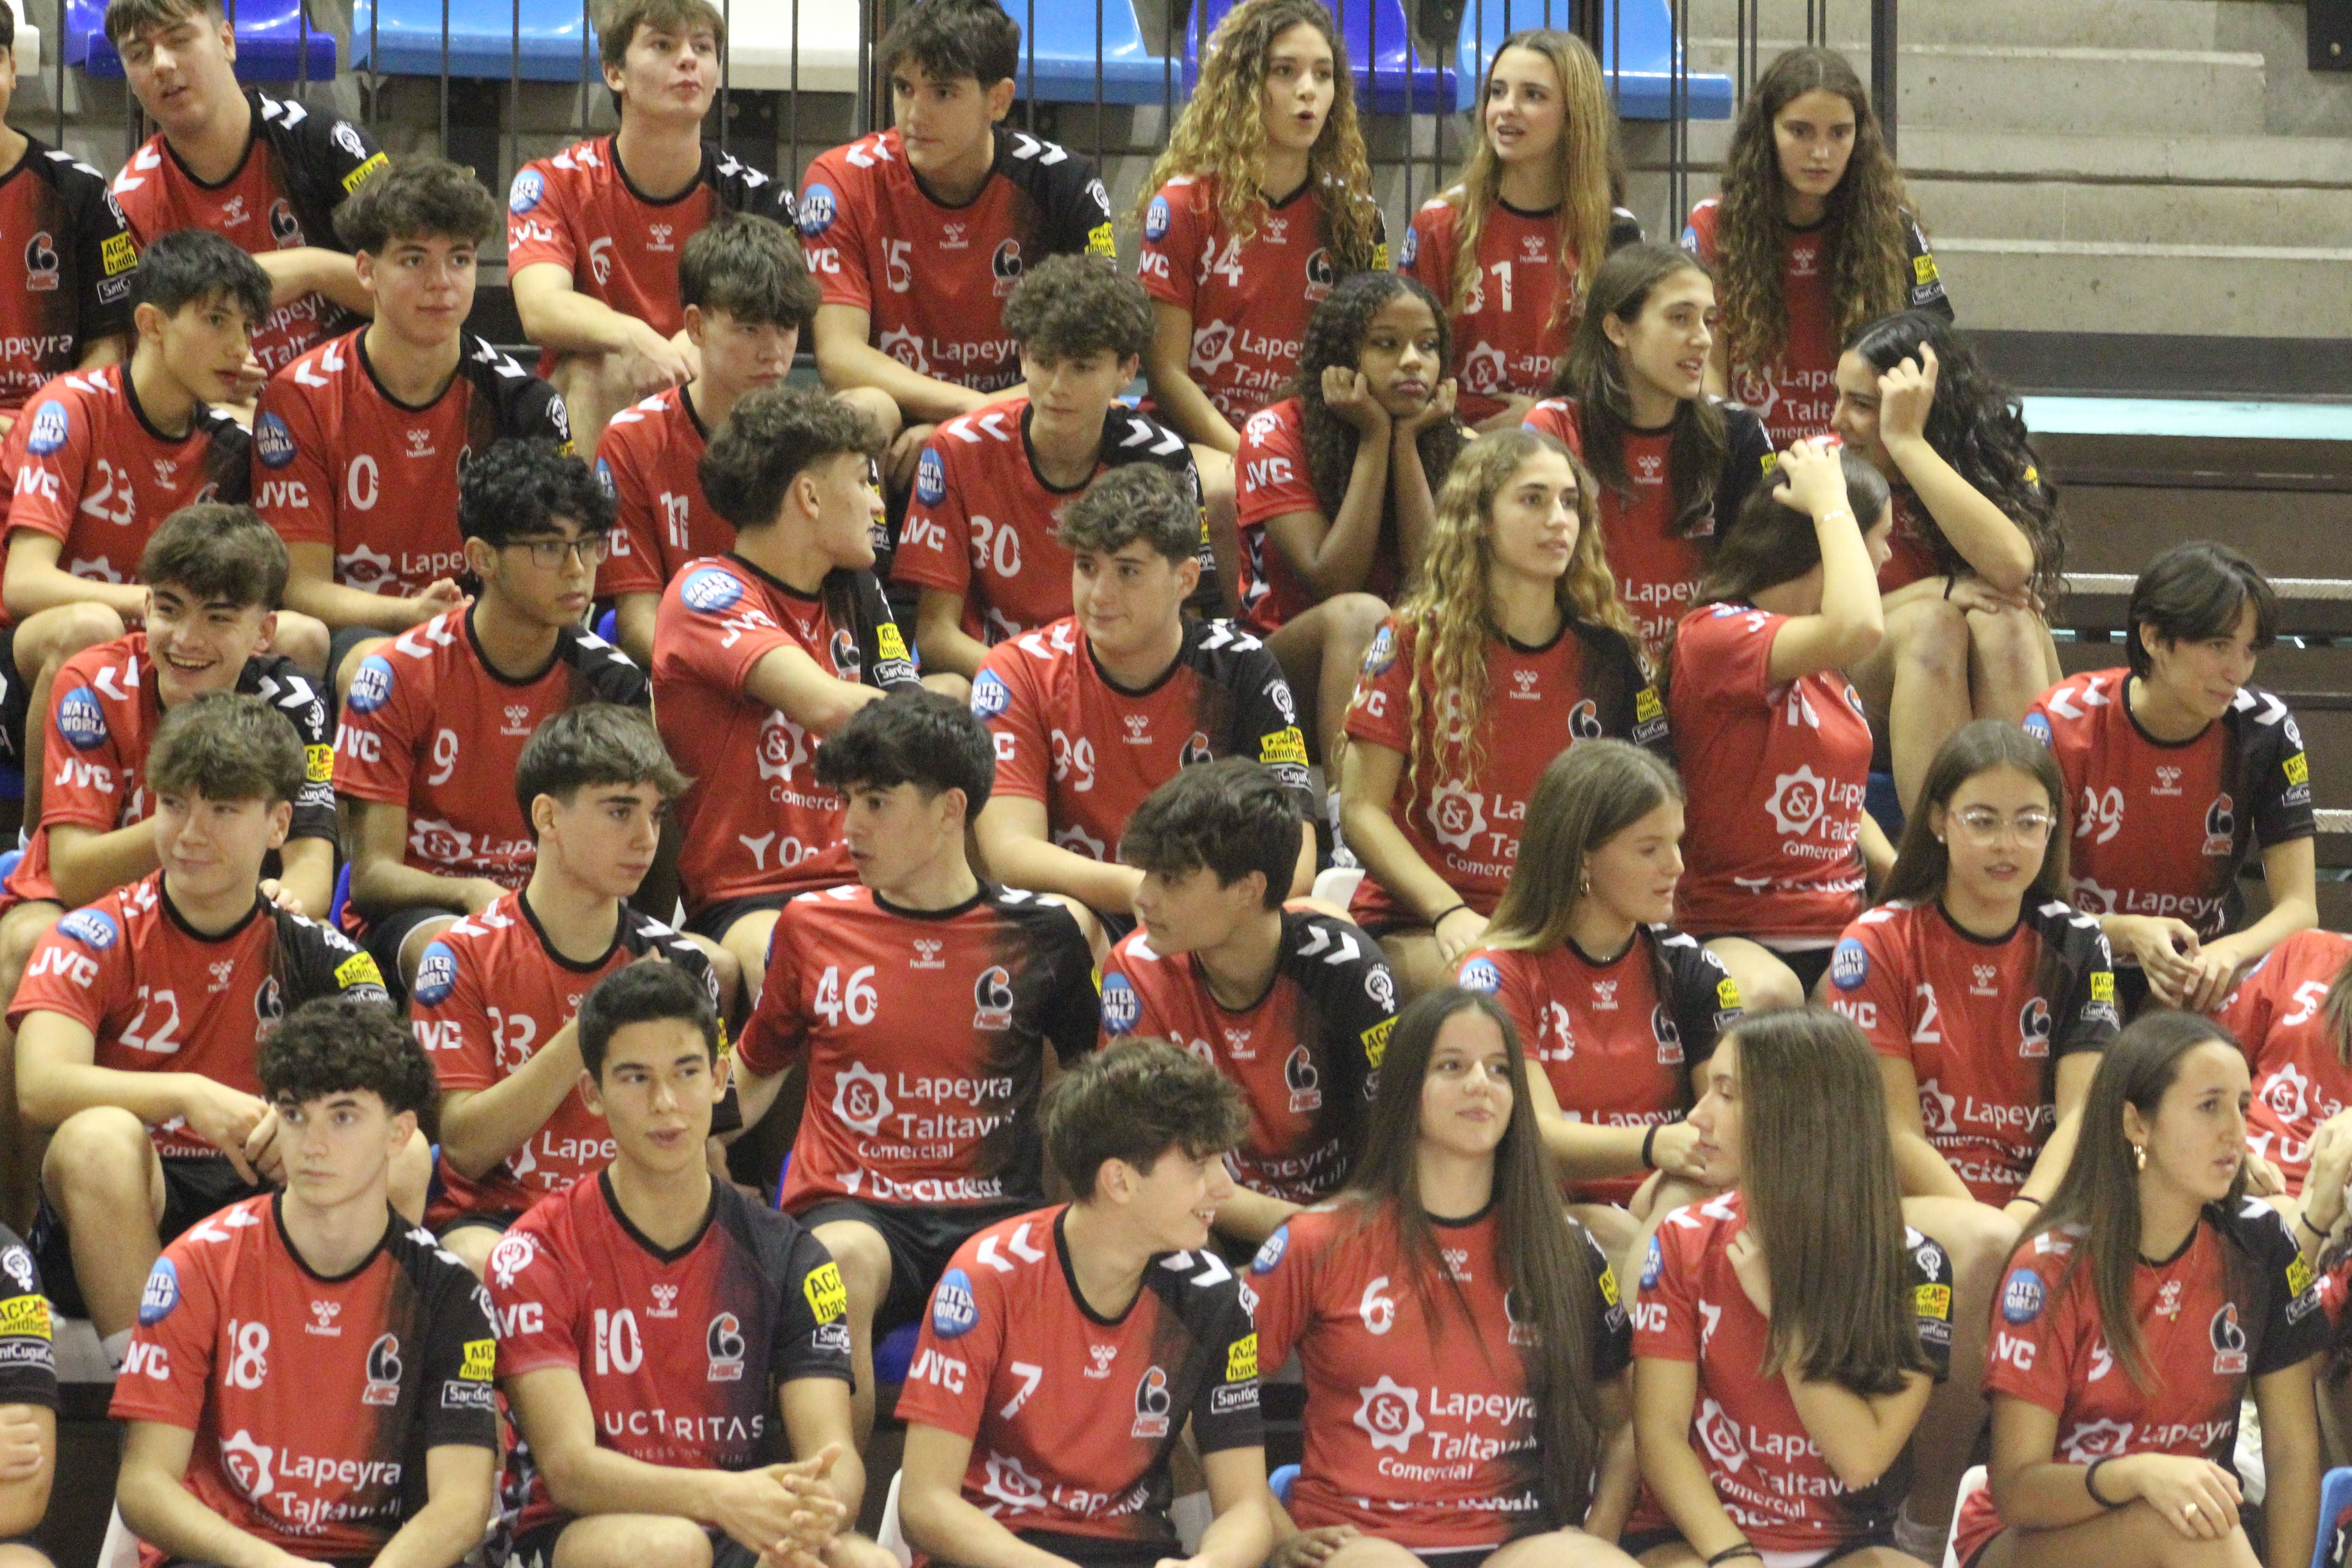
[271,41]
[608,626]
[343,896]
[894,1353]
[1644,57]
[12,784]
[1285,1477]
[2328,1551]
[1391,76]
[485,38]
[1059,48]
[8,863]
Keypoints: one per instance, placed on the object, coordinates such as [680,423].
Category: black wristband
[1948,580]
[1730,1552]
[2026,1198]
[2091,1483]
[1649,1140]
[1440,918]
[2304,1220]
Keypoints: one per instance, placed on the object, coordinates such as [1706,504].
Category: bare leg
[1321,650]
[47,639]
[21,929]
[1766,984]
[1412,958]
[105,1182]
[304,639]
[864,1258]
[2134,1533]
[631,1541]
[2012,661]
[747,938]
[471,1245]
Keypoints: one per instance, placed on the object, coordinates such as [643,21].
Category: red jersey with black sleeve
[1271,479]
[719,619]
[1249,298]
[1983,1021]
[1656,557]
[28,1359]
[1465,824]
[314,1401]
[2162,828]
[1306,1054]
[430,727]
[648,460]
[2278,1015]
[1617,1039]
[161,996]
[1009,569]
[1091,751]
[87,468]
[870,230]
[103,714]
[1521,309]
[925,1034]
[1765,1468]
[1072,1416]
[79,263]
[2236,1302]
[298,166]
[1771,848]
[681,1349]
[490,992]
[342,462]
[1795,394]
[581,210]
[1419,1427]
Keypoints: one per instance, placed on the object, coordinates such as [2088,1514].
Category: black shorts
[920,1240]
[384,938]
[499,1220]
[15,702]
[1635,1543]
[1098,1551]
[1808,965]
[340,641]
[195,1187]
[537,1549]
[712,920]
[2132,992]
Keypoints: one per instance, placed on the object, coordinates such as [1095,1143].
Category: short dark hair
[1066,306]
[772,437]
[416,198]
[7,28]
[617,29]
[1135,1102]
[1139,501]
[752,268]
[594,743]
[921,738]
[196,267]
[950,39]
[335,1045]
[2195,591]
[1231,815]
[127,18]
[643,993]
[226,745]
[516,488]
[219,553]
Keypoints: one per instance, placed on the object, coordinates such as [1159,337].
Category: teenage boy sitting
[360,442]
[1098,709]
[761,653]
[496,994]
[310,1378]
[656,1286]
[139,1016]
[929,976]
[593,233]
[436,717]
[748,294]
[1007,1464]
[916,232]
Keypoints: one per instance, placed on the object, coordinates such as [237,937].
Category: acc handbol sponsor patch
[826,1297]
[368,171]
[481,1361]
[117,253]
[711,591]
[954,1314]
[319,764]
[1240,1357]
[359,969]
[1850,964]
[1931,1301]
[28,1318]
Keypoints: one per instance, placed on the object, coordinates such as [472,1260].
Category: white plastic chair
[889,1537]
[120,1548]
[1971,1483]
[1336,884]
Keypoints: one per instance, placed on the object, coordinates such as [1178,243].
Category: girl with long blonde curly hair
[1510,648]
[1513,247]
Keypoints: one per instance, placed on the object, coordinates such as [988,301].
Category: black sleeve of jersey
[108,259]
[1925,285]
[1266,723]
[1612,1329]
[1624,229]
[325,156]
[812,1331]
[315,960]
[1346,976]
[1074,209]
[1747,455]
[2288,1310]
[2081,977]
[28,1359]
[1930,1278]
[1699,992]
[1224,1389]
[1627,706]
[601,672]
[228,458]
[744,189]
[460,1349]
[883,662]
[1071,1019]
[280,682]
[2277,772]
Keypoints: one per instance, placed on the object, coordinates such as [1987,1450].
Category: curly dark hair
[1068,306]
[592,745]
[1140,500]
[752,268]
[226,746]
[921,738]
[1232,815]
[1335,336]
[518,488]
[771,438]
[217,552]
[333,1045]
[1136,1102]
[1977,426]
[196,267]
[417,198]
[947,41]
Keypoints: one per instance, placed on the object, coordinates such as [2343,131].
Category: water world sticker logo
[437,976]
[818,205]
[531,185]
[2022,1296]
[1797,800]
[861,1097]
[372,686]
[94,929]
[81,719]
[1480,975]
[931,478]
[711,591]
[160,1294]
[1120,1006]
[1390,1414]
[48,431]
[954,1314]
[1156,219]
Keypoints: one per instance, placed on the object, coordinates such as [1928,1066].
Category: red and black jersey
[648,460]
[490,992]
[1249,298]
[314,1401]
[1982,1021]
[1767,1469]
[925,1033]
[1091,751]
[103,714]
[1072,1416]
[1306,1054]
[1796,394]
[2277,1013]
[297,168]
[682,1349]
[79,263]
[983,522]
[28,1359]
[1271,479]
[1464,824]
[342,462]
[430,727]
[2236,1302]
[871,230]
[1521,309]
[580,210]
[2162,827]
[1619,1039]
[720,616]
[87,468]
[1772,844]
[161,996]
[1657,557]
[1419,1427]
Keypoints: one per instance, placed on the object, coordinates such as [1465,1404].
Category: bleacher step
[2150,24]
[2133,213]
[2048,285]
